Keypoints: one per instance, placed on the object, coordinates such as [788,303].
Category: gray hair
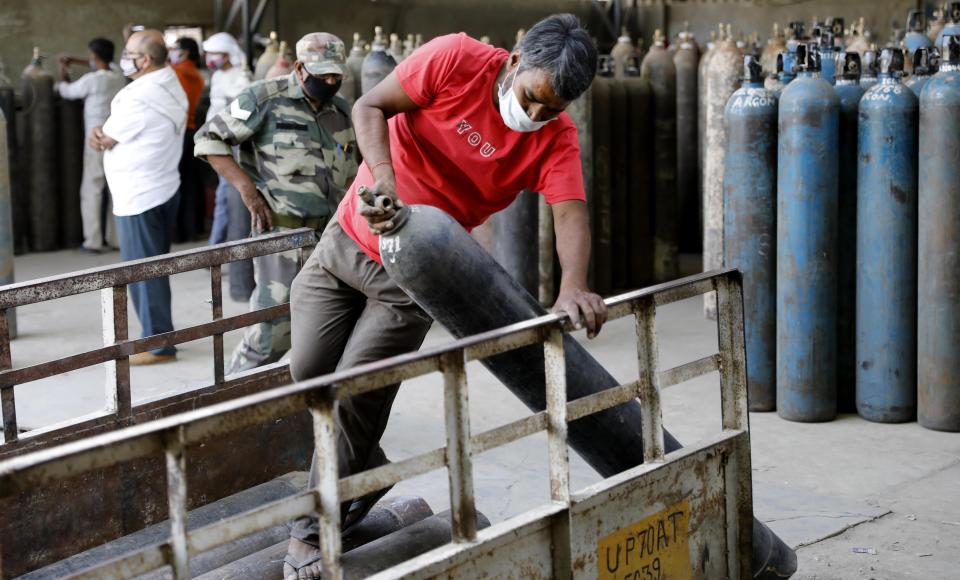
[561,47]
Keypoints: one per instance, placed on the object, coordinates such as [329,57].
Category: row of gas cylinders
[368,63]
[45,145]
[841,206]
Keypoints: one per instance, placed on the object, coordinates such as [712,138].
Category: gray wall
[66,25]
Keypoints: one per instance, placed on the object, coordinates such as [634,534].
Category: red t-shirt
[455,152]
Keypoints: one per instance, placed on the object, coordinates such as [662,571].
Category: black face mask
[319,89]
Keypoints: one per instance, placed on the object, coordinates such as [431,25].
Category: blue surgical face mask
[514,116]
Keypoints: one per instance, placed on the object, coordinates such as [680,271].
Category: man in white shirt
[143,140]
[97,89]
[230,77]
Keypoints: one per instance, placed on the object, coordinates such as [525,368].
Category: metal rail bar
[124,273]
[120,350]
[112,282]
[173,435]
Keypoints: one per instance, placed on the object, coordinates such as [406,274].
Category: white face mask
[129,66]
[514,116]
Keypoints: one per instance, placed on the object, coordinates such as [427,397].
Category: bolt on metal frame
[172,437]
[112,282]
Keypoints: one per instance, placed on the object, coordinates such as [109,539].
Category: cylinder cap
[604,65]
[849,65]
[891,61]
[869,64]
[779,62]
[752,71]
[950,49]
[796,27]
[915,21]
[808,58]
[836,26]
[925,60]
[826,39]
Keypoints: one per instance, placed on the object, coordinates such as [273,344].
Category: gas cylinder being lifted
[723,78]
[267,59]
[659,70]
[39,146]
[377,65]
[849,93]
[775,45]
[685,60]
[938,340]
[440,266]
[887,247]
[926,61]
[807,244]
[750,223]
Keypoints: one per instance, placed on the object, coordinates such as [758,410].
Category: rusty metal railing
[112,282]
[173,435]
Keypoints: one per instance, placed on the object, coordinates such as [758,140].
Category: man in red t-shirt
[464,127]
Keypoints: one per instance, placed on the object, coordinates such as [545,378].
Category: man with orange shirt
[462,126]
[185,59]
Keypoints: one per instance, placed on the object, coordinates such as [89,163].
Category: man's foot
[302,562]
[90,251]
[149,358]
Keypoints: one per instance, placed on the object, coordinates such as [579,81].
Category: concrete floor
[827,488]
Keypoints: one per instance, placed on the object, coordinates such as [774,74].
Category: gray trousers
[345,311]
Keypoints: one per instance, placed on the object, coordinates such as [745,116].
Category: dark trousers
[142,236]
[345,311]
[191,213]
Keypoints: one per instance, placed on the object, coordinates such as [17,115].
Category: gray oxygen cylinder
[8,105]
[377,65]
[722,78]
[40,138]
[355,65]
[6,224]
[70,132]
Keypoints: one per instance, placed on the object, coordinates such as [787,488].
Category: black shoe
[89,251]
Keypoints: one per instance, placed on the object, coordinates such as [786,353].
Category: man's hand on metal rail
[583,307]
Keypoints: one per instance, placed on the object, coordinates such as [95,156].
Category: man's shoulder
[267,89]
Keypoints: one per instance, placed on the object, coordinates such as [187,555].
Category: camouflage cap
[322,53]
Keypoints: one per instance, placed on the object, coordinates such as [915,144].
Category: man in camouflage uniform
[298,154]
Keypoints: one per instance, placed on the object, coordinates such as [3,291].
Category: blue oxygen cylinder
[915,38]
[794,38]
[774,82]
[952,27]
[938,316]
[828,56]
[750,223]
[868,73]
[887,247]
[807,244]
[849,92]
[925,64]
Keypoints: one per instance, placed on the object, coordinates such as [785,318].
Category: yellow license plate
[654,548]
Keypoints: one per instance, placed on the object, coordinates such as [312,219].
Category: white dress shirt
[225,86]
[147,119]
[97,90]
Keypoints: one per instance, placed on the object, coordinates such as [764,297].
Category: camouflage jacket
[301,159]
